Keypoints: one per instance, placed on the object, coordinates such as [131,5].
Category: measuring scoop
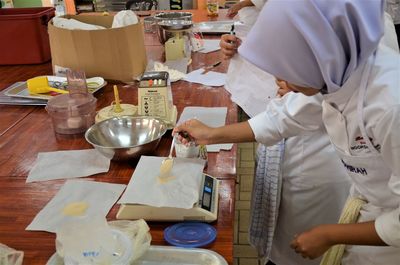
[166,165]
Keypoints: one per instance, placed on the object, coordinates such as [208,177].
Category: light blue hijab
[313,43]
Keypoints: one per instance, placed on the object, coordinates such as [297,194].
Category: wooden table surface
[27,130]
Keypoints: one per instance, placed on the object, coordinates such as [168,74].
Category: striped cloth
[265,197]
[350,214]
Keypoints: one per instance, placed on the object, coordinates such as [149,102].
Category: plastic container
[24,37]
[72,114]
[186,151]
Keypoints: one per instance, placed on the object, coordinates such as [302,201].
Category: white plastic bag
[124,18]
[138,232]
[91,241]
[9,256]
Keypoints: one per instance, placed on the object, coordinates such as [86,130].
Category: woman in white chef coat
[288,178]
[333,46]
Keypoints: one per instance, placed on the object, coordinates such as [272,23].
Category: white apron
[364,171]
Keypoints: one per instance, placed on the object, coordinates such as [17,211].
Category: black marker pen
[232,32]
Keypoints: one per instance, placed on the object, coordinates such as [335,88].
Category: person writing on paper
[242,73]
[234,10]
[359,80]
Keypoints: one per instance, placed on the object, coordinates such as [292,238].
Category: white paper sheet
[213,117]
[217,147]
[180,192]
[252,93]
[209,79]
[68,164]
[210,46]
[99,198]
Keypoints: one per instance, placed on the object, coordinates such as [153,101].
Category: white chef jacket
[305,184]
[382,123]
[381,119]
[296,114]
[311,170]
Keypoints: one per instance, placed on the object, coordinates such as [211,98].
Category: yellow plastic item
[40,85]
[117,107]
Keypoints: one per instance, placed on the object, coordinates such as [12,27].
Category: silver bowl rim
[183,15]
[121,117]
[175,24]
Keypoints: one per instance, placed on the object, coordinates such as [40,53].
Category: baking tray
[20,90]
[215,27]
[167,255]
[7,100]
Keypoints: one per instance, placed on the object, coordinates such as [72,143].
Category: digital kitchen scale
[205,210]
[155,97]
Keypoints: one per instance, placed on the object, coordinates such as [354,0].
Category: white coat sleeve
[291,115]
[390,37]
[387,131]
[259,3]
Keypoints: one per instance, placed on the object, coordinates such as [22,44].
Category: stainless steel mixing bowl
[126,137]
[164,35]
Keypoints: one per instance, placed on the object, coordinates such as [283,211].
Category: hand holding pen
[229,44]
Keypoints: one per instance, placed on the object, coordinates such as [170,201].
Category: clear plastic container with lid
[73,113]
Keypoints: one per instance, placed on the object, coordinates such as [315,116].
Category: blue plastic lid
[190,234]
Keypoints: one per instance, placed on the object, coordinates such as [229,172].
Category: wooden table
[26,130]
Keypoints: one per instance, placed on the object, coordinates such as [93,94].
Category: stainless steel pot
[164,35]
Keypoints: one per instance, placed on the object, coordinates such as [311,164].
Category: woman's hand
[193,130]
[312,243]
[229,45]
[233,10]
[282,88]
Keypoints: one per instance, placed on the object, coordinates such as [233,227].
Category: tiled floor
[243,253]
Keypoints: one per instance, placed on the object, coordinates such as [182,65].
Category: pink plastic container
[72,113]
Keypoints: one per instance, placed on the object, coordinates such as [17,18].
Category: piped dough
[75,209]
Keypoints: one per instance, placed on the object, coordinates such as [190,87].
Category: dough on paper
[75,209]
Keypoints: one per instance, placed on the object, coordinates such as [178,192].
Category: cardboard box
[113,53]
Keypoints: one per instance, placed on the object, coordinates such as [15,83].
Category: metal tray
[166,255]
[7,100]
[20,90]
[215,27]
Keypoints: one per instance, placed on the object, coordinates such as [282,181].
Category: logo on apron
[360,143]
